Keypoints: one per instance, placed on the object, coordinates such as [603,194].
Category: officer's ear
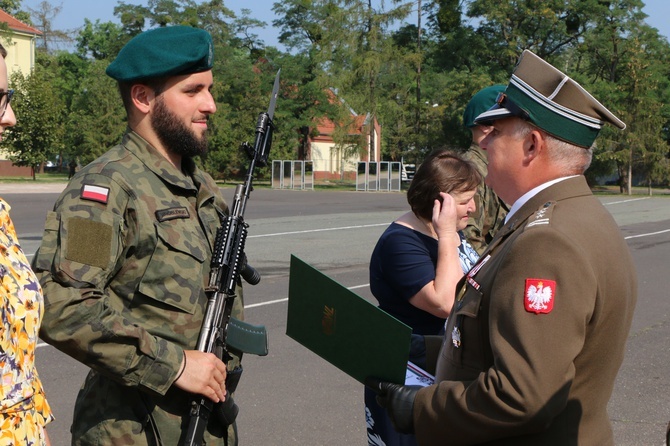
[142,96]
[534,145]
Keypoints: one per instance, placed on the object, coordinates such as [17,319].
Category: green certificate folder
[343,328]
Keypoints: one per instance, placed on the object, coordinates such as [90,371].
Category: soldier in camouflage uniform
[126,252]
[491,210]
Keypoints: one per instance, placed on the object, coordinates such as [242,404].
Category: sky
[74,12]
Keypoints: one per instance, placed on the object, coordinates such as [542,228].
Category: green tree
[13,7]
[411,65]
[402,115]
[245,37]
[303,100]
[97,120]
[304,24]
[548,27]
[306,28]
[351,50]
[66,70]
[627,64]
[38,134]
[454,95]
[360,59]
[132,17]
[101,41]
[211,15]
[237,92]
[644,152]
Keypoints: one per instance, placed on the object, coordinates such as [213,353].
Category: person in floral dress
[24,411]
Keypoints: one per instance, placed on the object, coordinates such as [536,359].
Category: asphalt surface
[293,397]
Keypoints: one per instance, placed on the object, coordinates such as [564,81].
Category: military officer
[538,330]
[126,252]
[490,214]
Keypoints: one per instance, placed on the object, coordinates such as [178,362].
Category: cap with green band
[552,101]
[480,102]
[162,52]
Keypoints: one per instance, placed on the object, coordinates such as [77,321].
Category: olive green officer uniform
[124,263]
[538,329]
[536,377]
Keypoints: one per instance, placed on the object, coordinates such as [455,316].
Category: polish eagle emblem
[328,320]
[540,294]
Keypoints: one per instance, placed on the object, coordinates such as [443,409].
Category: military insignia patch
[171,214]
[456,337]
[95,193]
[539,295]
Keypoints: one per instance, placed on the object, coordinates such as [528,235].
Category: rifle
[227,265]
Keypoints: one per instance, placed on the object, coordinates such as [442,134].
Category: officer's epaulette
[542,216]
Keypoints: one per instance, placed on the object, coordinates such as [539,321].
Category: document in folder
[343,328]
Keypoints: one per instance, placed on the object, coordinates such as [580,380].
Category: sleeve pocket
[83,248]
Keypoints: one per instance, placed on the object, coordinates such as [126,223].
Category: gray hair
[571,159]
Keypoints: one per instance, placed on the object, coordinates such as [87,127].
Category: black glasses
[507,103]
[5,97]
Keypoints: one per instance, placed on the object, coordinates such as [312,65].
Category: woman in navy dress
[418,261]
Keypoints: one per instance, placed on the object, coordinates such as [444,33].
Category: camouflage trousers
[108,414]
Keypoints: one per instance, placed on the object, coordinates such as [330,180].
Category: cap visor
[492,114]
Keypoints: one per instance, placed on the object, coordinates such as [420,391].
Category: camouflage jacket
[124,261]
[491,210]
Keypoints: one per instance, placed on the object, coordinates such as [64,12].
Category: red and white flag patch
[95,193]
[539,295]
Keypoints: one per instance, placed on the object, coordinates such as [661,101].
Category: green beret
[552,101]
[480,102]
[161,52]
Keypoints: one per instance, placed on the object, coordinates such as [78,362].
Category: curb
[29,188]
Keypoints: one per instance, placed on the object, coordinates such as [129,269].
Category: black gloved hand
[398,401]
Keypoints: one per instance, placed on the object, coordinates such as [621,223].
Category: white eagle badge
[539,296]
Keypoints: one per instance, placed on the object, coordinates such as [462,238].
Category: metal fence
[381,176]
[289,174]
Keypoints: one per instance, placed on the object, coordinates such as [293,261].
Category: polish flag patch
[539,295]
[95,193]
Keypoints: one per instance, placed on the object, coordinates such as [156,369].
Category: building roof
[17,25]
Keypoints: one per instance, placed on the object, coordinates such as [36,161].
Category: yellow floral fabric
[24,410]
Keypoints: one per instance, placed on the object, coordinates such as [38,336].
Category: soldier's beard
[174,134]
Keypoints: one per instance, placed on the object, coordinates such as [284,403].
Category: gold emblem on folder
[328,320]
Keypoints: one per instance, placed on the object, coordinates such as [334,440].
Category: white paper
[417,377]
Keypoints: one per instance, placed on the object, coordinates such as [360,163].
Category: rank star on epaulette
[539,295]
[541,216]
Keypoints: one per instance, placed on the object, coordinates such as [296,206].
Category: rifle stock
[227,266]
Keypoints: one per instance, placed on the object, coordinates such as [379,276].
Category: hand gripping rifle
[228,264]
